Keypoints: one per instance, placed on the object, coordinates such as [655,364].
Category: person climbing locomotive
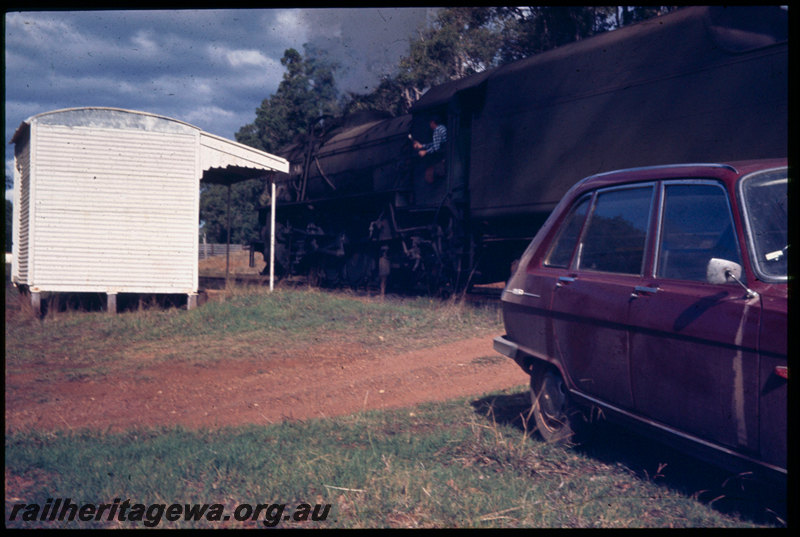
[433,153]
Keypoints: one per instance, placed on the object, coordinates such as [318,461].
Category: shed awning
[226,162]
[222,161]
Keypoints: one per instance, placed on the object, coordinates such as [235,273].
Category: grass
[435,465]
[242,319]
[463,463]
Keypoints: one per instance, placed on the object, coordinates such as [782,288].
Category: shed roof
[226,162]
[222,161]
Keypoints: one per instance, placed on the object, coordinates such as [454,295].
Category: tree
[467,40]
[462,41]
[386,97]
[306,93]
[532,30]
[244,217]
[631,14]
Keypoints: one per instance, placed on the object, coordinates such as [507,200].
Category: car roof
[725,171]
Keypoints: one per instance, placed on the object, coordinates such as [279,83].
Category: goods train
[360,207]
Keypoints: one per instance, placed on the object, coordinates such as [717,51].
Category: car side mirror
[720,271]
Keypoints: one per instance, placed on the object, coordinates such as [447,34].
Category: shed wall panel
[104,198]
[21,227]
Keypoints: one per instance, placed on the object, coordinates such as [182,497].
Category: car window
[764,195]
[561,251]
[697,225]
[614,240]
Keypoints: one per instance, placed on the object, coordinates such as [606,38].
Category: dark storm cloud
[210,68]
[176,63]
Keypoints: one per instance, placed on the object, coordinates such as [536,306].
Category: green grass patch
[246,319]
[437,465]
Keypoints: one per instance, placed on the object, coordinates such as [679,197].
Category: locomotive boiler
[359,207]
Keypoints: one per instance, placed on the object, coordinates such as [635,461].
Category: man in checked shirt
[434,152]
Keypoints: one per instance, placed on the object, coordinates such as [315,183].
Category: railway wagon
[701,84]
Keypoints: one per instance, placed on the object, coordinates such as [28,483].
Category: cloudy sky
[209,68]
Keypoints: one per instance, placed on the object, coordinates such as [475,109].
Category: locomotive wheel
[332,272]
[433,274]
[359,268]
[324,272]
[447,259]
[315,275]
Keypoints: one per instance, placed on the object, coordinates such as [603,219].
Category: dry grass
[239,264]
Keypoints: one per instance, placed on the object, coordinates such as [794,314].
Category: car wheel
[557,419]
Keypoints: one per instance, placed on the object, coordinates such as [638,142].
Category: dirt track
[338,380]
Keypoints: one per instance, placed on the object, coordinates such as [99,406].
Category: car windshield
[765,207]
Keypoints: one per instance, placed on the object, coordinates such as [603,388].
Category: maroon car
[659,295]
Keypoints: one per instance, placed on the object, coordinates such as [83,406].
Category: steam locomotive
[360,207]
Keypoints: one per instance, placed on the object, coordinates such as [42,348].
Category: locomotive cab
[361,207]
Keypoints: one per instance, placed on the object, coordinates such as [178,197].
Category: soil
[236,263]
[319,380]
[337,380]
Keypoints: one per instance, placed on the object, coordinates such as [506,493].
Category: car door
[591,298]
[693,344]
[526,305]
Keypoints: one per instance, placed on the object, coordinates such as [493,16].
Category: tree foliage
[243,212]
[532,30]
[386,97]
[306,93]
[465,40]
[461,41]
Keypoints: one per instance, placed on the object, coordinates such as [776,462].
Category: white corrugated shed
[107,200]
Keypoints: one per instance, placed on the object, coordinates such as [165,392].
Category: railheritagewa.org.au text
[151,515]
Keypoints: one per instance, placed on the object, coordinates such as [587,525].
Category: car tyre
[557,418]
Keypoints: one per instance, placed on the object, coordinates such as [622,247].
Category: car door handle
[522,292]
[564,280]
[639,289]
